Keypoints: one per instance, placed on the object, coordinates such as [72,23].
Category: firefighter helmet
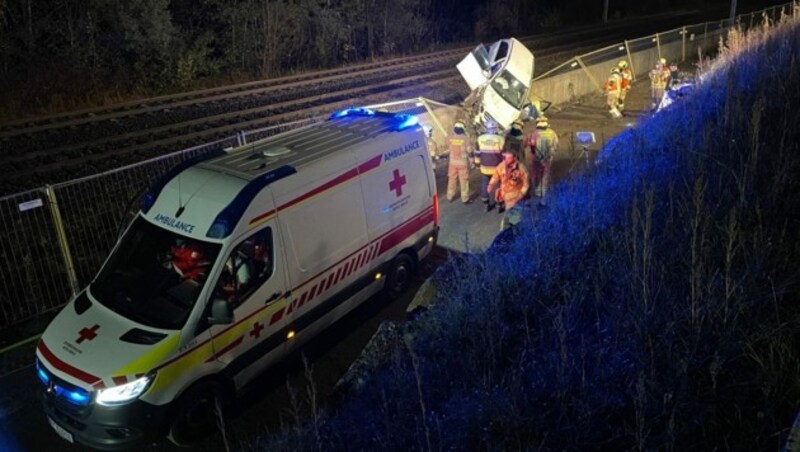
[459,125]
[490,125]
[518,124]
[662,61]
[622,64]
[541,121]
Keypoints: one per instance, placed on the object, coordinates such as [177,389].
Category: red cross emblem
[256,331]
[87,334]
[397,182]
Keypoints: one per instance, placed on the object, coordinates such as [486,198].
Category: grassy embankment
[653,305]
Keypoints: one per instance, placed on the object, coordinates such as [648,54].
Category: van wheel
[197,414]
[400,275]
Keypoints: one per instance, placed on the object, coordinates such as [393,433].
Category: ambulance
[234,260]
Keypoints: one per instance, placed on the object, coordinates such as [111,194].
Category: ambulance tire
[400,276]
[196,414]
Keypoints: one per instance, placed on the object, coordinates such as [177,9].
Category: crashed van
[500,77]
[234,260]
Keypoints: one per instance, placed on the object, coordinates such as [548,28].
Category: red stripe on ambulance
[66,368]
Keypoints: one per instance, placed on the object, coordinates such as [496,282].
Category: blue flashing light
[406,121]
[77,397]
[355,111]
[42,374]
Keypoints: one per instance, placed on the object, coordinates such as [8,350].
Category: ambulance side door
[253,281]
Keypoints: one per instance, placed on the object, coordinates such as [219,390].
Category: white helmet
[490,125]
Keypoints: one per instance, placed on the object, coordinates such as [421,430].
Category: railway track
[57,147]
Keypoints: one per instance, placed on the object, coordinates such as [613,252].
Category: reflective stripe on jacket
[489,148]
[546,143]
[458,145]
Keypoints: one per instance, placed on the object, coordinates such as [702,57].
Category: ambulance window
[247,267]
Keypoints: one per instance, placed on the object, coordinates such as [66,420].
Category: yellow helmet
[518,124]
[662,61]
[459,125]
[622,64]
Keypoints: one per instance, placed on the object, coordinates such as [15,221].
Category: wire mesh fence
[54,239]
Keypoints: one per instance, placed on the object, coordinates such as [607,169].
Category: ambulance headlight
[124,393]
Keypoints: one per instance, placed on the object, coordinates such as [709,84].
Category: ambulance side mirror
[221,312]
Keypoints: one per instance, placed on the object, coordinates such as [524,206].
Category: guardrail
[53,239]
[585,74]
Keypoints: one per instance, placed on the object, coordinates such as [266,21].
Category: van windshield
[155,276]
[510,89]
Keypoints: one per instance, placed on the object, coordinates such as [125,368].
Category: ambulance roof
[343,130]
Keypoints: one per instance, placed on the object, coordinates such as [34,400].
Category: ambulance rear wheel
[197,414]
[399,278]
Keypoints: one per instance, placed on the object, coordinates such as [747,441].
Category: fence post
[658,45]
[683,44]
[591,77]
[630,60]
[62,238]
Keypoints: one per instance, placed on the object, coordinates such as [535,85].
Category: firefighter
[460,151]
[490,144]
[513,178]
[659,77]
[514,139]
[544,144]
[627,78]
[674,74]
[432,147]
[613,92]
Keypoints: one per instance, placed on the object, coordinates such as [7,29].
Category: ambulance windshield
[155,276]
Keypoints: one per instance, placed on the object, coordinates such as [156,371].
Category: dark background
[58,55]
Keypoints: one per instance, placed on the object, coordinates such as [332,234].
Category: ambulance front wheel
[400,275]
[197,414]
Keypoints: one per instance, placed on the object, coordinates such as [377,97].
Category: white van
[233,261]
[500,77]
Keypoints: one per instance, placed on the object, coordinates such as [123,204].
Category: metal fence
[53,239]
[585,74]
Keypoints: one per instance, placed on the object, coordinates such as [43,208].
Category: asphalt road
[267,405]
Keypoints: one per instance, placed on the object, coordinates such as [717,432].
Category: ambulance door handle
[277,295]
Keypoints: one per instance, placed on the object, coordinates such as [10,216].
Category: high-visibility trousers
[460,174]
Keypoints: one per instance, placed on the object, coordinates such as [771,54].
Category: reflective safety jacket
[544,144]
[627,78]
[659,76]
[489,156]
[514,182]
[460,149]
[614,83]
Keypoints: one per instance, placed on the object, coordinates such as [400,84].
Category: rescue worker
[544,144]
[514,139]
[659,77]
[627,78]
[490,145]
[613,89]
[460,151]
[513,178]
[431,144]
[673,74]
[189,261]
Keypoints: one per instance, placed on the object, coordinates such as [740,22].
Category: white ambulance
[233,261]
